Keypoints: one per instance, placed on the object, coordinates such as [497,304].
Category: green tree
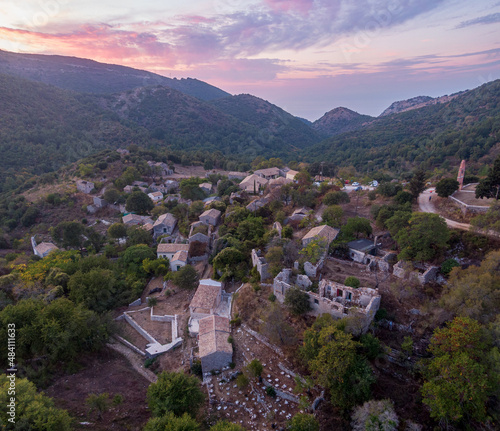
[226,426]
[375,415]
[139,203]
[276,328]
[98,403]
[424,239]
[352,281]
[335,364]
[475,292]
[332,215]
[490,186]
[33,409]
[297,301]
[117,230]
[417,183]
[398,221]
[137,235]
[133,257]
[171,422]
[69,234]
[336,198]
[175,392]
[186,278]
[228,263]
[313,251]
[111,195]
[303,422]
[356,226]
[190,189]
[456,386]
[255,368]
[95,289]
[446,187]
[402,197]
[30,216]
[490,220]
[156,266]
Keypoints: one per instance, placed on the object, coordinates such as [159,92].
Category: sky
[306,56]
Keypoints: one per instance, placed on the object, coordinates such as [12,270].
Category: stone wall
[406,271]
[313,270]
[260,263]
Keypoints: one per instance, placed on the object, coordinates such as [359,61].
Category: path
[427,206]
[135,360]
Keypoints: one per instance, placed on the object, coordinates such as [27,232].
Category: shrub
[448,265]
[352,281]
[271,391]
[375,415]
[255,368]
[242,381]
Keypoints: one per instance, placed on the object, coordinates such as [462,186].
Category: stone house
[207,298]
[135,220]
[166,250]
[210,217]
[419,273]
[320,232]
[260,263]
[362,250]
[43,249]
[164,225]
[253,183]
[291,174]
[156,197]
[99,202]
[214,349]
[268,173]
[179,260]
[206,187]
[84,186]
[334,298]
[199,237]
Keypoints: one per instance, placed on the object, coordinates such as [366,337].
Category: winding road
[427,206]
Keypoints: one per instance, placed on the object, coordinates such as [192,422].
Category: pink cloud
[302,6]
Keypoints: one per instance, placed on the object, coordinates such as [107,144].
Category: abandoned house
[210,217]
[362,250]
[164,225]
[320,232]
[84,186]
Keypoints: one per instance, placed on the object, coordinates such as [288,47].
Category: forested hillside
[88,76]
[468,127]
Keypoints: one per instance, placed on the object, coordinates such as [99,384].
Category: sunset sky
[307,56]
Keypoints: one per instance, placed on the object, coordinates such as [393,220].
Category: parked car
[357,189]
[155,290]
[355,184]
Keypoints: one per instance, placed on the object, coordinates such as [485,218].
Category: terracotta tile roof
[213,323]
[181,255]
[206,294]
[268,171]
[165,219]
[171,248]
[46,247]
[211,213]
[324,231]
[213,336]
[248,181]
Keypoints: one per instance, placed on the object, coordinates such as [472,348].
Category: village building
[214,349]
[210,217]
[206,187]
[43,249]
[163,168]
[130,188]
[332,298]
[164,225]
[260,263]
[268,173]
[258,203]
[253,183]
[290,175]
[179,260]
[279,182]
[135,220]
[299,214]
[84,186]
[156,197]
[362,250]
[320,232]
[99,202]
[169,250]
[205,302]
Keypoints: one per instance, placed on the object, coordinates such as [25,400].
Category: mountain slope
[42,128]
[417,102]
[88,76]
[467,127]
[269,118]
[340,120]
